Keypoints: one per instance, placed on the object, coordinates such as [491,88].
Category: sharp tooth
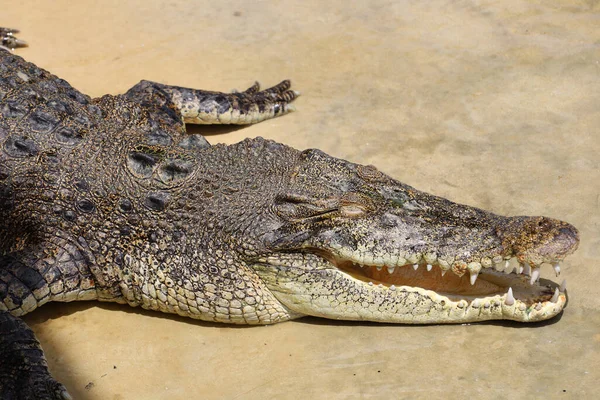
[556,268]
[476,303]
[444,266]
[370,283]
[429,266]
[392,287]
[520,269]
[391,269]
[415,266]
[535,275]
[506,265]
[510,299]
[527,269]
[474,268]
[554,298]
[538,306]
[563,286]
[379,267]
[474,277]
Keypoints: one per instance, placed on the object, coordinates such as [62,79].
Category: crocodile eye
[353,204]
[300,207]
[352,211]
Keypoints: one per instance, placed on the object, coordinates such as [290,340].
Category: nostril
[568,234]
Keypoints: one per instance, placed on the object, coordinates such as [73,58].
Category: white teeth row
[475,267]
[509,300]
[499,263]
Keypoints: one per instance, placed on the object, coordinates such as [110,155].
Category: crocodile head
[351,243]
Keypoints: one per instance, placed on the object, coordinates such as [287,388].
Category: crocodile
[109,199]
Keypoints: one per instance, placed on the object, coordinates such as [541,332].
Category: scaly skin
[109,199]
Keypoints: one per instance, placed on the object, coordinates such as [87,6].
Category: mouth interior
[489,282]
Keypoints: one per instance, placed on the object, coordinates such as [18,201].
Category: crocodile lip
[490,282]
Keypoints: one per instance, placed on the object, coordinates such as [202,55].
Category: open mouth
[511,285]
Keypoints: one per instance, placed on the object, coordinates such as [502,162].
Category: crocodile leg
[8,40]
[205,107]
[23,371]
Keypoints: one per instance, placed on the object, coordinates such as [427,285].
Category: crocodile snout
[565,242]
[540,239]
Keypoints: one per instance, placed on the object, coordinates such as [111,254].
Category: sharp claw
[66,396]
[20,42]
[9,31]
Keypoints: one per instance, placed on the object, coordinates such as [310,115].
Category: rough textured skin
[109,199]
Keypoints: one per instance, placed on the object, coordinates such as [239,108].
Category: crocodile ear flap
[312,154]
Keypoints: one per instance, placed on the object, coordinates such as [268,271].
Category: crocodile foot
[8,41]
[24,372]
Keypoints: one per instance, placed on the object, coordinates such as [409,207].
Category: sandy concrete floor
[491,103]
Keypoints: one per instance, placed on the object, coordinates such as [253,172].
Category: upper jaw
[462,250]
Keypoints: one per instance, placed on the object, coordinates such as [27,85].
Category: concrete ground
[491,103]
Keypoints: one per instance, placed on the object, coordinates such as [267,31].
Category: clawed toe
[288,96]
[280,93]
[8,40]
[253,89]
[279,88]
